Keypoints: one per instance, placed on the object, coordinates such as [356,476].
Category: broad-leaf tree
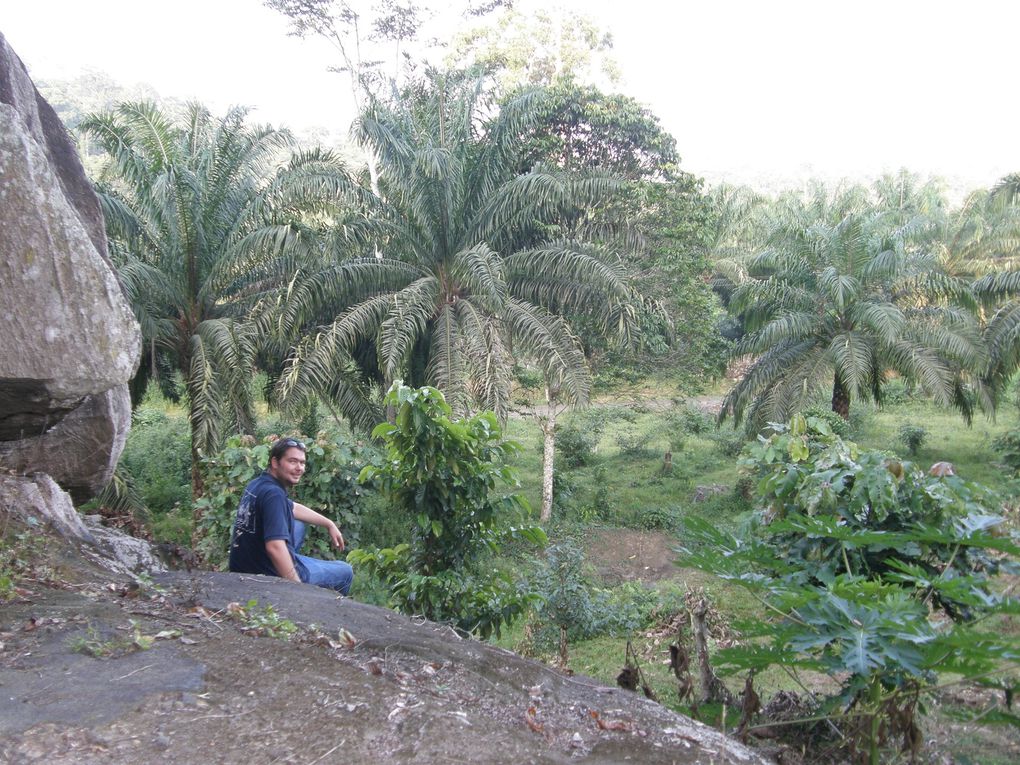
[204,217]
[447,474]
[533,49]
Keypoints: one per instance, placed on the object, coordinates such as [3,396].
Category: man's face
[289,468]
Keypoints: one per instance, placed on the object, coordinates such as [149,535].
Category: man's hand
[335,536]
[305,514]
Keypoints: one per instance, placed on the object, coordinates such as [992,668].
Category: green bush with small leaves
[912,437]
[688,419]
[445,473]
[729,443]
[157,460]
[575,447]
[1007,446]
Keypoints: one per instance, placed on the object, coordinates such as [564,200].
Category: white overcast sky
[752,90]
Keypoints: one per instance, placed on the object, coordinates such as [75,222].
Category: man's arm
[279,555]
[307,515]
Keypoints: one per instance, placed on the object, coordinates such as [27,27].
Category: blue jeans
[331,574]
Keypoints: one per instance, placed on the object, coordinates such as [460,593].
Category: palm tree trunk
[548,457]
[197,485]
[840,398]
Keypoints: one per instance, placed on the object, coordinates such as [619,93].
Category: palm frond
[411,311]
[547,339]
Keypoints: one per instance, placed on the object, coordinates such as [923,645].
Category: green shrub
[634,443]
[660,518]
[156,461]
[444,473]
[528,378]
[568,593]
[329,486]
[636,606]
[1007,446]
[837,424]
[576,607]
[564,493]
[575,446]
[912,437]
[145,416]
[895,391]
[689,419]
[729,443]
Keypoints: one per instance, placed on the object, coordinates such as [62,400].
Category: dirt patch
[629,555]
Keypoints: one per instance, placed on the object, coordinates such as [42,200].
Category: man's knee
[345,576]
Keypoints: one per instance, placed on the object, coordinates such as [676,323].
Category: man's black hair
[278,449]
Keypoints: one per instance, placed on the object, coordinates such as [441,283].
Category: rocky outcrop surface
[118,552]
[38,496]
[363,685]
[70,342]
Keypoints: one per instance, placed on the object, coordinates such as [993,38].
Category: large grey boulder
[39,121]
[37,497]
[80,451]
[70,342]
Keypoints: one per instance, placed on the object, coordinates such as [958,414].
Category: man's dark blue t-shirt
[265,513]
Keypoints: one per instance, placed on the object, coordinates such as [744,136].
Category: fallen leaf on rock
[188,641]
[529,718]
[611,724]
[347,638]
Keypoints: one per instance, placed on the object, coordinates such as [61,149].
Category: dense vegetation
[517,243]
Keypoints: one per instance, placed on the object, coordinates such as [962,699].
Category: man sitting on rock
[270,526]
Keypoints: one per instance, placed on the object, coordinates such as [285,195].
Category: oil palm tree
[205,220]
[999,287]
[473,264]
[824,306]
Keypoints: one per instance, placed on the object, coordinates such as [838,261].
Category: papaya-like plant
[871,571]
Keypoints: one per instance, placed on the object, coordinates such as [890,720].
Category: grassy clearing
[704,482]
